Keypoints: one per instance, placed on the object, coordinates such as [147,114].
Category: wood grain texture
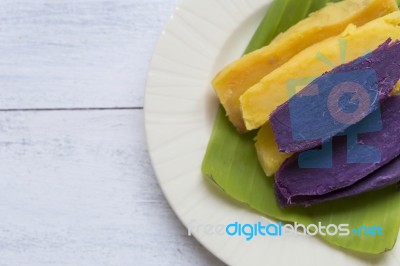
[77,53]
[78,189]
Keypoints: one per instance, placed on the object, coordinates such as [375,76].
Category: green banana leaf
[231,162]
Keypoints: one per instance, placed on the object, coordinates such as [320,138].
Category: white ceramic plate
[201,37]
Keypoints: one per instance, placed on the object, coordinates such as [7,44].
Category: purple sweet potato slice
[295,181]
[336,100]
[387,175]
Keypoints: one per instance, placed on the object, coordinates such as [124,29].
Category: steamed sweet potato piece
[240,75]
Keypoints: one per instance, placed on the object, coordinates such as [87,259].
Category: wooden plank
[77,188]
[77,53]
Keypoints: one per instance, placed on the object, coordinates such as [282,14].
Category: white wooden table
[76,184]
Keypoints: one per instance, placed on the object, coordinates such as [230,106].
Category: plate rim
[182,4]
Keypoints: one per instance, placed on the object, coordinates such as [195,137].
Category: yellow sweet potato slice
[263,98]
[239,76]
[267,150]
[396,90]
